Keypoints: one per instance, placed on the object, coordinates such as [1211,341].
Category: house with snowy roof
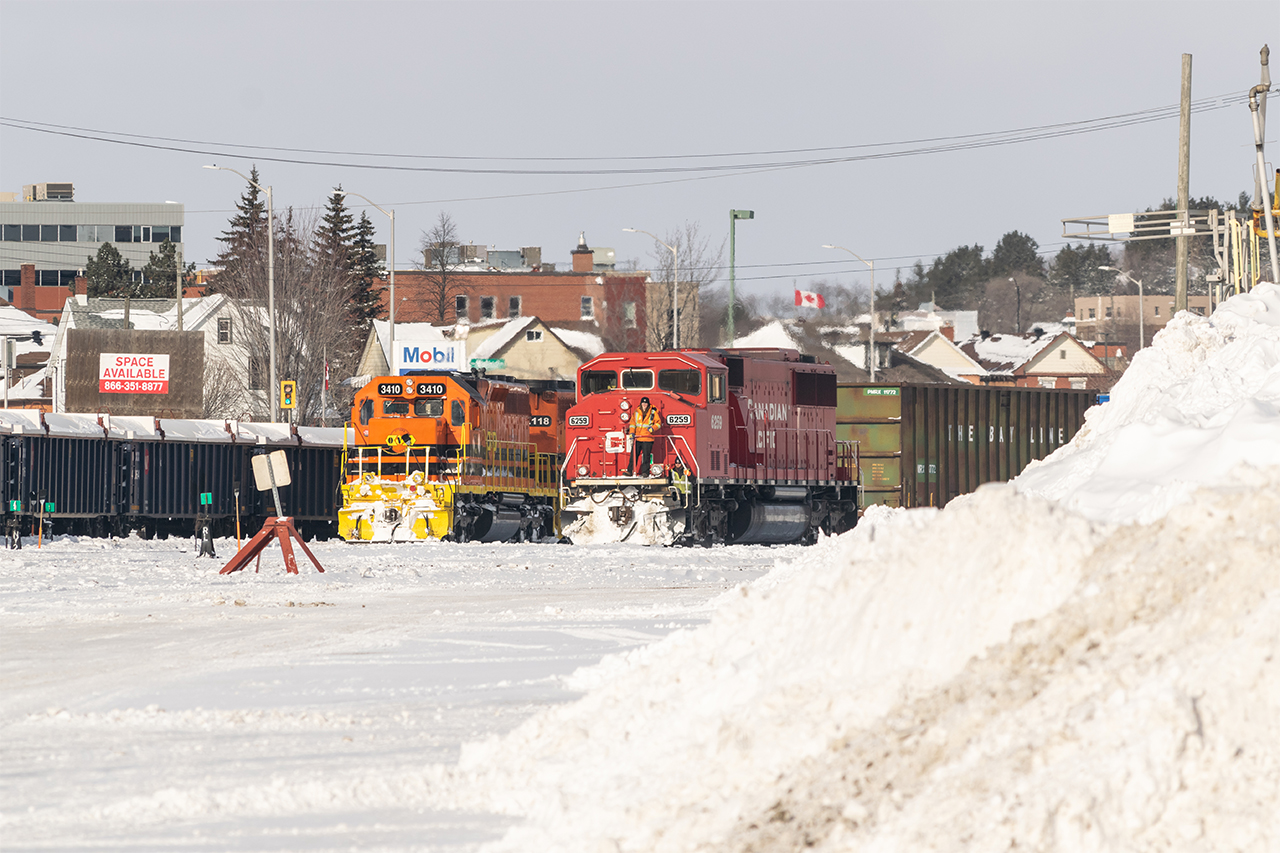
[1038,359]
[522,347]
[25,383]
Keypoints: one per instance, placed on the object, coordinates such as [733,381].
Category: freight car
[746,450]
[102,476]
[454,456]
[922,445]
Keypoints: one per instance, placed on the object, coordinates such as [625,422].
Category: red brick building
[604,302]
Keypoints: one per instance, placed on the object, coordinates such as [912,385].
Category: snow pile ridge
[708,717]
[1203,399]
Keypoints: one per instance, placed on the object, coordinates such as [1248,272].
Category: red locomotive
[744,449]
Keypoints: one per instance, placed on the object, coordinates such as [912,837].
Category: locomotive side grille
[715,460]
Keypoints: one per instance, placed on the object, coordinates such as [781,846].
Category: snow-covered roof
[80,425]
[584,342]
[1006,353]
[775,334]
[494,344]
[405,332]
[16,322]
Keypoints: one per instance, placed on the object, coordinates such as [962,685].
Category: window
[395,407]
[428,408]
[533,336]
[637,380]
[1078,383]
[1093,313]
[486,307]
[1062,353]
[12,233]
[224,330]
[48,233]
[66,233]
[1048,381]
[159,233]
[461,307]
[457,413]
[513,307]
[628,315]
[679,381]
[1108,313]
[597,381]
[715,387]
[258,377]
[122,234]
[588,308]
[366,411]
[1157,310]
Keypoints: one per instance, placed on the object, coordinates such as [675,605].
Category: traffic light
[288,394]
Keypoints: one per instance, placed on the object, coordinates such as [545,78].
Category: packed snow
[1085,659]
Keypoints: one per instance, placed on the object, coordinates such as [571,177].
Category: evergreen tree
[1016,252]
[955,278]
[108,273]
[1075,269]
[246,240]
[336,234]
[159,275]
[366,271]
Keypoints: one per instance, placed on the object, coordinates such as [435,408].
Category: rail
[508,466]
[847,462]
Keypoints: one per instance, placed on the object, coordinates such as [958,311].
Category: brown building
[1115,318]
[606,303]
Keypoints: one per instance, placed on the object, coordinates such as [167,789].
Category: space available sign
[133,373]
[428,355]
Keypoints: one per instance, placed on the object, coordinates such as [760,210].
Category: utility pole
[734,216]
[1184,185]
[177,265]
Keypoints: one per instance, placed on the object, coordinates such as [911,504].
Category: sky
[651,115]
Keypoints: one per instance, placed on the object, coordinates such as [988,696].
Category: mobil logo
[427,355]
[437,354]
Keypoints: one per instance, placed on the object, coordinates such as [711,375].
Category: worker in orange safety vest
[644,424]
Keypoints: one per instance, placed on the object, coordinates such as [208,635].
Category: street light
[391,265]
[1017,289]
[734,216]
[871,343]
[273,393]
[675,279]
[1142,331]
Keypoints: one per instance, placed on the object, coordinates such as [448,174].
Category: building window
[486,307]
[159,233]
[1062,353]
[588,308]
[1108,313]
[122,233]
[66,233]
[1078,383]
[513,307]
[461,308]
[1157,310]
[628,315]
[257,375]
[1093,313]
[224,330]
[48,233]
[12,233]
[1048,382]
[533,335]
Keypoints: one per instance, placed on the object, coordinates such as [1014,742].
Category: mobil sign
[428,355]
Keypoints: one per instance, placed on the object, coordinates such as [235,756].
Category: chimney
[583,257]
[27,287]
[948,331]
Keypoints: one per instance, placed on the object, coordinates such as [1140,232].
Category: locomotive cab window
[715,388]
[458,413]
[366,412]
[395,407]
[638,380]
[597,381]
[428,408]
[680,381]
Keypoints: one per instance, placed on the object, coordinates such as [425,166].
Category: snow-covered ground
[1086,659]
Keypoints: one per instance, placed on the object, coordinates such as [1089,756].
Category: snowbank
[1009,672]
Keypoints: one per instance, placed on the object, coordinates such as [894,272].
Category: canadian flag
[810,299]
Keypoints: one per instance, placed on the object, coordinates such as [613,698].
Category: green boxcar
[922,445]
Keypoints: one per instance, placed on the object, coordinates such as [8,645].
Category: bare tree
[313,323]
[700,265]
[440,260]
[224,391]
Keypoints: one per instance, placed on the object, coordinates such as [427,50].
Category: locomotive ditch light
[625,416]
[655,470]
[624,405]
[582,470]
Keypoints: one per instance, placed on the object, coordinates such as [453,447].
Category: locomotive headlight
[582,470]
[655,470]
[626,416]
[624,405]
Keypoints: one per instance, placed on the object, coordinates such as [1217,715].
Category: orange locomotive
[454,456]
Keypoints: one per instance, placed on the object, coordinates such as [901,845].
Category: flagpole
[871,338]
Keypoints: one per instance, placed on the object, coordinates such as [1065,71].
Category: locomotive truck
[745,452]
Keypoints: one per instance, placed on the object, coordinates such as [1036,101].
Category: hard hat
[644,400]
